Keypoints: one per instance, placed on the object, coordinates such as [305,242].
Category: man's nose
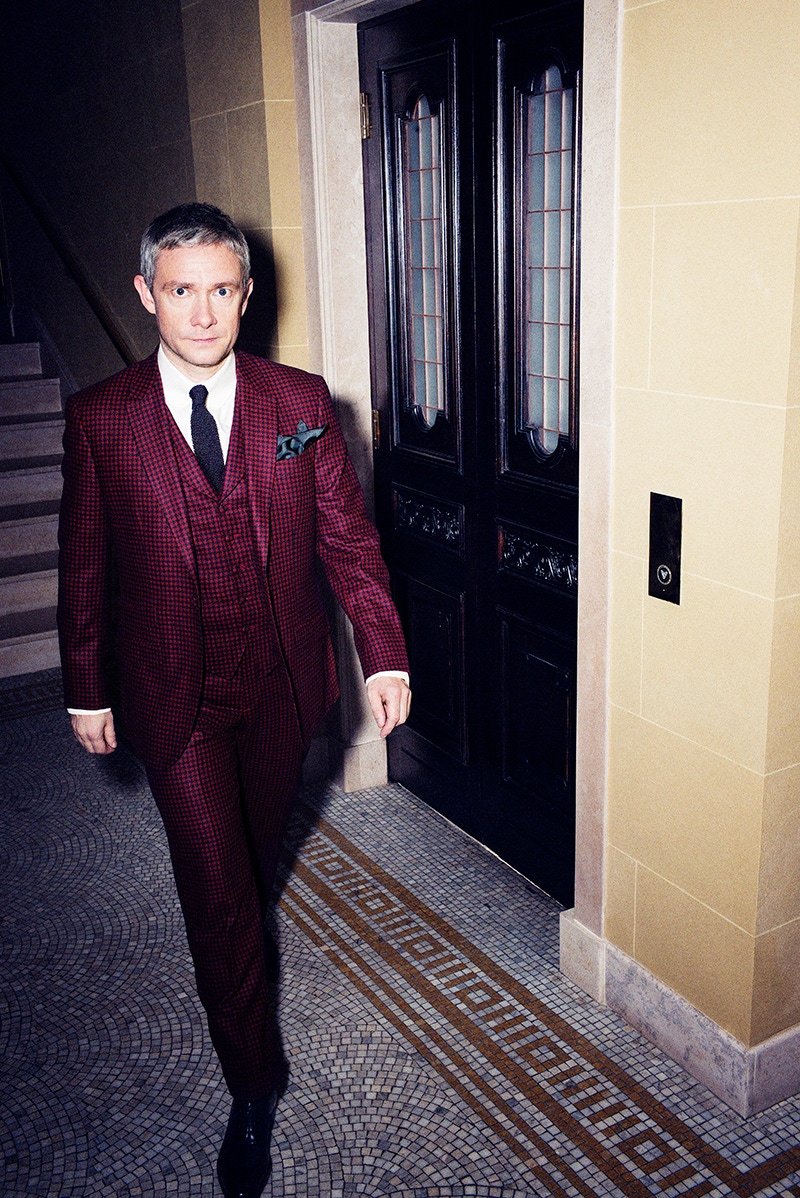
[203,313]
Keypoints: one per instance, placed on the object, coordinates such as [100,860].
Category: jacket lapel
[259,424]
[149,423]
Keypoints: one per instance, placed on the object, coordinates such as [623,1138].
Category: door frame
[329,124]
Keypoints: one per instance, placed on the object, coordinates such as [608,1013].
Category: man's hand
[95,732]
[390,700]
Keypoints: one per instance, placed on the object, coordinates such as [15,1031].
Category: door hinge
[376,429]
[366,118]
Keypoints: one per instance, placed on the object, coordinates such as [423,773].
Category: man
[216,480]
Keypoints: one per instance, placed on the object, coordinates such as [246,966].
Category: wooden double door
[471,115]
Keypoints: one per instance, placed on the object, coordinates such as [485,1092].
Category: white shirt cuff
[80,711]
[389,674]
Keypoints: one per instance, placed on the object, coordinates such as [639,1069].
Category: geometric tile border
[538,1084]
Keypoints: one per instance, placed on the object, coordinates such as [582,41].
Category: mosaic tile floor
[435,1050]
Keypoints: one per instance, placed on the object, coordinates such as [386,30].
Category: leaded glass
[544,257]
[424,257]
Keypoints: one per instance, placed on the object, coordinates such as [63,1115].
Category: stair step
[29,395]
[29,418]
[28,653]
[36,485]
[28,563]
[27,595]
[30,463]
[22,538]
[15,624]
[10,513]
[20,358]
[29,440]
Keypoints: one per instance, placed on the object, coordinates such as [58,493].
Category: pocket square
[291,445]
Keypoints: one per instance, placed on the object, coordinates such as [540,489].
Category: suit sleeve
[349,548]
[83,571]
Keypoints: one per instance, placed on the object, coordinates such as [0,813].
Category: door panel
[471,194]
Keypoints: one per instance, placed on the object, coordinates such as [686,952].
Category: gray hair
[191,224]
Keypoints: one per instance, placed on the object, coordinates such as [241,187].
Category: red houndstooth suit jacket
[122,490]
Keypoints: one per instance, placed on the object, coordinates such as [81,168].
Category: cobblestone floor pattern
[435,1050]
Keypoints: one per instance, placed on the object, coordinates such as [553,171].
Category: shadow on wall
[259,331]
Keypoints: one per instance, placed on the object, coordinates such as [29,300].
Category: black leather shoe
[244,1163]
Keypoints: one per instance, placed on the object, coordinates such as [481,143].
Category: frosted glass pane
[548,440]
[563,352]
[429,290]
[415,231]
[535,400]
[566,177]
[428,234]
[564,290]
[552,121]
[550,417]
[552,238]
[566,118]
[417,298]
[431,338]
[563,407]
[566,238]
[535,107]
[552,296]
[419,382]
[535,350]
[425,150]
[552,180]
[535,201]
[551,350]
[418,325]
[535,294]
[535,245]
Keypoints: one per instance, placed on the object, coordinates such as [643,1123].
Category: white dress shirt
[221,387]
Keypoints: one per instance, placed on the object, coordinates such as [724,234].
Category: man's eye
[224,291]
[180,291]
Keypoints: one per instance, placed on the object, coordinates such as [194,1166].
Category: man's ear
[144,294]
[245,297]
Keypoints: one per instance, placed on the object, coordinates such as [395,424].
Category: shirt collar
[177,383]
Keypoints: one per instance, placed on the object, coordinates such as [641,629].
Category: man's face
[198,300]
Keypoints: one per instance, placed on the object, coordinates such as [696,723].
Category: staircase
[31,428]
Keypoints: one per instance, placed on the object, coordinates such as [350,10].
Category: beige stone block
[634,258]
[783,739]
[250,181]
[294,355]
[723,294]
[779,880]
[620,906]
[222,43]
[724,460]
[706,668]
[776,989]
[284,168]
[695,951]
[628,589]
[593,643]
[691,128]
[794,354]
[687,814]
[290,271]
[788,569]
[212,167]
[276,40]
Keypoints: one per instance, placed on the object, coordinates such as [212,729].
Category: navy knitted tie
[205,438]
